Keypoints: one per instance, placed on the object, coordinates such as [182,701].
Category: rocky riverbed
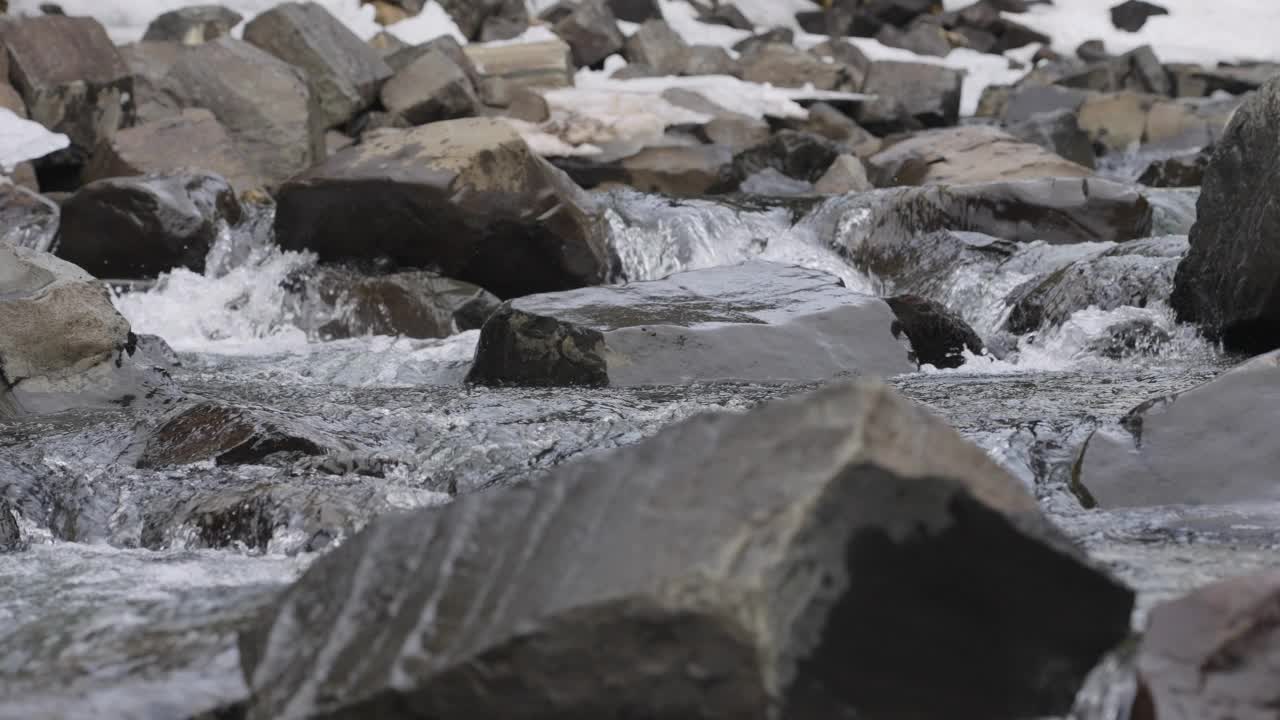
[634,359]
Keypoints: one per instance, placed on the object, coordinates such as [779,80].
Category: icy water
[127,604]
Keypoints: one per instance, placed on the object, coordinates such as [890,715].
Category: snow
[22,140]
[431,23]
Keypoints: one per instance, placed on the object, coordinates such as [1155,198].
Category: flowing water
[127,603]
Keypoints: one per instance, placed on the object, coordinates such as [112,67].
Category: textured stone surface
[845,175]
[938,336]
[27,219]
[963,155]
[192,25]
[229,435]
[431,89]
[930,94]
[591,30]
[503,70]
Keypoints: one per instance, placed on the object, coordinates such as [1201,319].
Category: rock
[466,197]
[1092,51]
[446,44]
[636,11]
[530,106]
[264,103]
[856,519]
[938,336]
[771,183]
[10,533]
[1058,132]
[344,72]
[708,60]
[27,219]
[1199,81]
[656,45]
[193,25]
[1228,281]
[755,322]
[1185,170]
[337,303]
[591,30]
[737,132]
[832,124]
[1025,103]
[1137,274]
[1213,654]
[798,155]
[73,79]
[785,66]
[506,69]
[727,15]
[1157,455]
[154,351]
[229,435]
[845,175]
[1116,121]
[772,36]
[1131,15]
[431,89]
[847,54]
[150,63]
[1126,338]
[194,139]
[488,20]
[141,227]
[63,340]
[929,93]
[1187,123]
[388,44]
[1138,70]
[921,38]
[680,171]
[970,154]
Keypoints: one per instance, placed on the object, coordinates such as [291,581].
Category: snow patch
[22,140]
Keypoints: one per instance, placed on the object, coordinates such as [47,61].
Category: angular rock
[344,72]
[1058,132]
[1138,71]
[10,533]
[191,140]
[737,132]
[928,93]
[772,36]
[1213,654]
[798,155]
[757,321]
[153,350]
[27,219]
[708,60]
[1092,51]
[1025,103]
[1179,171]
[806,559]
[970,154]
[785,66]
[921,38]
[192,25]
[847,54]
[770,183]
[636,11]
[71,76]
[1157,455]
[832,124]
[1137,274]
[846,174]
[141,227]
[1229,282]
[506,69]
[388,44]
[466,197]
[1131,15]
[150,63]
[488,19]
[591,30]
[264,102]
[938,336]
[656,45]
[1116,121]
[229,435]
[680,171]
[431,89]
[727,15]
[1187,123]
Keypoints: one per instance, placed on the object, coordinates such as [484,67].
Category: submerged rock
[27,219]
[467,197]
[938,336]
[758,321]
[230,435]
[1208,445]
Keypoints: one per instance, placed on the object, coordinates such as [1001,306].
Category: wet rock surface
[26,218]
[229,435]
[938,336]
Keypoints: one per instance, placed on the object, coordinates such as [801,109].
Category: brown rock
[963,155]
[786,66]
[229,435]
[1117,120]
[504,69]
[846,175]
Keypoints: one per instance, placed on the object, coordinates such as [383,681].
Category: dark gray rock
[488,19]
[1127,338]
[1229,282]
[798,155]
[265,103]
[192,25]
[1206,446]
[805,559]
[757,321]
[1024,103]
[726,14]
[10,533]
[1185,170]
[636,11]
[921,37]
[141,227]
[1213,654]
[345,73]
[27,219]
[1137,70]
[930,94]
[680,171]
[938,336]
[591,30]
[230,435]
[1092,51]
[1131,15]
[1133,274]
[431,89]
[466,197]
[772,36]
[847,54]
[1059,132]
[832,124]
[657,46]
[154,351]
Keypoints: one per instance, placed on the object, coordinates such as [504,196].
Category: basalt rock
[757,321]
[817,557]
[938,336]
[193,25]
[10,533]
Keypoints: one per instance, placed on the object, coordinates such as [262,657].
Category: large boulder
[757,321]
[504,70]
[192,25]
[1213,654]
[141,227]
[192,139]
[466,197]
[72,77]
[590,29]
[970,154]
[430,89]
[820,557]
[264,102]
[1229,282]
[929,94]
[150,62]
[61,340]
[1207,446]
[344,71]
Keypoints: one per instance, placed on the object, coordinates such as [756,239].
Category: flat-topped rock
[758,321]
[966,155]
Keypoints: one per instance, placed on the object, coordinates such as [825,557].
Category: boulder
[1058,132]
[141,227]
[10,533]
[467,197]
[770,183]
[1131,15]
[938,336]
[798,155]
[845,175]
[344,72]
[657,46]
[820,557]
[591,30]
[264,102]
[1137,71]
[832,124]
[446,44]
[636,11]
[61,340]
[1213,654]
[1207,446]
[1137,274]
[193,25]
[149,62]
[930,94]
[680,171]
[755,322]
[71,76]
[970,154]
[27,219]
[737,132]
[191,140]
[1185,170]
[1228,282]
[504,70]
[1116,121]
[786,66]
[1187,123]
[229,435]
[1026,102]
[431,89]
[921,37]
[488,20]
[708,60]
